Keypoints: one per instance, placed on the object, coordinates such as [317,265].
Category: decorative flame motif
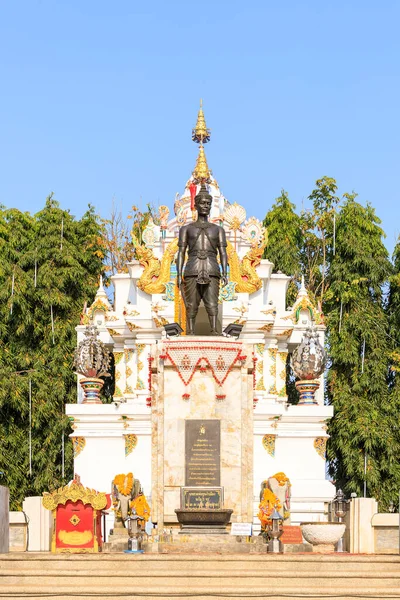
[163,213]
[234,216]
[253,231]
[91,358]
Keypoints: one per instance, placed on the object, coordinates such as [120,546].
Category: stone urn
[323,536]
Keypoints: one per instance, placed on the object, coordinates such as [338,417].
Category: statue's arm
[180,259]
[223,255]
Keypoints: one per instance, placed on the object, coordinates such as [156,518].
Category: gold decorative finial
[201,171]
[200,134]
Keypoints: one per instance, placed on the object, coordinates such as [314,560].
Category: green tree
[363,426]
[284,241]
[318,235]
[56,261]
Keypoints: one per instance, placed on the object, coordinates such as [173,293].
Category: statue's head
[203,202]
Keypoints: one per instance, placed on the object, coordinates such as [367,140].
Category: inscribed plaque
[203,452]
[197,497]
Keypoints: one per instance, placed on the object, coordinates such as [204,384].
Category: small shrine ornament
[308,363]
[92,360]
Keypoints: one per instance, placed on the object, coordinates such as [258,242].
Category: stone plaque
[18,537]
[211,497]
[203,452]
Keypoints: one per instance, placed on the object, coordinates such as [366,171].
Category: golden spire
[200,134]
[201,171]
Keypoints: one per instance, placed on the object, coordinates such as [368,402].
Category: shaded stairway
[200,576]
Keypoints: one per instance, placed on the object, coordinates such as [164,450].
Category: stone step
[63,577]
[373,595]
[244,589]
[198,569]
[196,562]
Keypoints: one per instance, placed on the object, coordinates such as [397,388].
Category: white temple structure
[241,384]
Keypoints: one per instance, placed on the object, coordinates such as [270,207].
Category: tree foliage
[50,265]
[117,233]
[340,251]
[363,432]
[285,241]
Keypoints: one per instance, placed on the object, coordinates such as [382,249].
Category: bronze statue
[202,273]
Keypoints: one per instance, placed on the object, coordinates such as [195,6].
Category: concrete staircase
[199,576]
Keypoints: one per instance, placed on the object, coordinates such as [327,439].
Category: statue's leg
[191,297]
[210,299]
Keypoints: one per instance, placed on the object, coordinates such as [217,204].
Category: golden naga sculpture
[156,273]
[243,272]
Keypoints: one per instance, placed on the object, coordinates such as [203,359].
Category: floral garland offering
[268,503]
[124,483]
[219,360]
[141,506]
[281,478]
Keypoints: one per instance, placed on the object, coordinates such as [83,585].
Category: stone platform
[202,544]
[229,544]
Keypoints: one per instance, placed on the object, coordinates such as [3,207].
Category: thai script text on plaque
[203,452]
[196,497]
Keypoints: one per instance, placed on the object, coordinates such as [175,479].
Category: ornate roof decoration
[304,302]
[163,214]
[201,171]
[151,234]
[253,231]
[200,133]
[234,216]
[74,492]
[101,302]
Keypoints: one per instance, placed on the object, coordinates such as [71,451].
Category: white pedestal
[40,524]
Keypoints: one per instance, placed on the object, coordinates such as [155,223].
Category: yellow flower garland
[141,506]
[268,503]
[124,483]
[281,478]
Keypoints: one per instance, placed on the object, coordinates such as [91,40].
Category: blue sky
[98,100]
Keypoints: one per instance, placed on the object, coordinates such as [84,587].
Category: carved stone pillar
[281,359]
[130,379]
[120,373]
[270,371]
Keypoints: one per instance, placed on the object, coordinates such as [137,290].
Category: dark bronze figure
[202,274]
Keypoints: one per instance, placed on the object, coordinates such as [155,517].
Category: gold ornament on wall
[285,333]
[130,443]
[268,442]
[266,327]
[320,446]
[78,444]
[140,365]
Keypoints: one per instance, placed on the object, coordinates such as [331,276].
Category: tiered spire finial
[201,134]
[201,171]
